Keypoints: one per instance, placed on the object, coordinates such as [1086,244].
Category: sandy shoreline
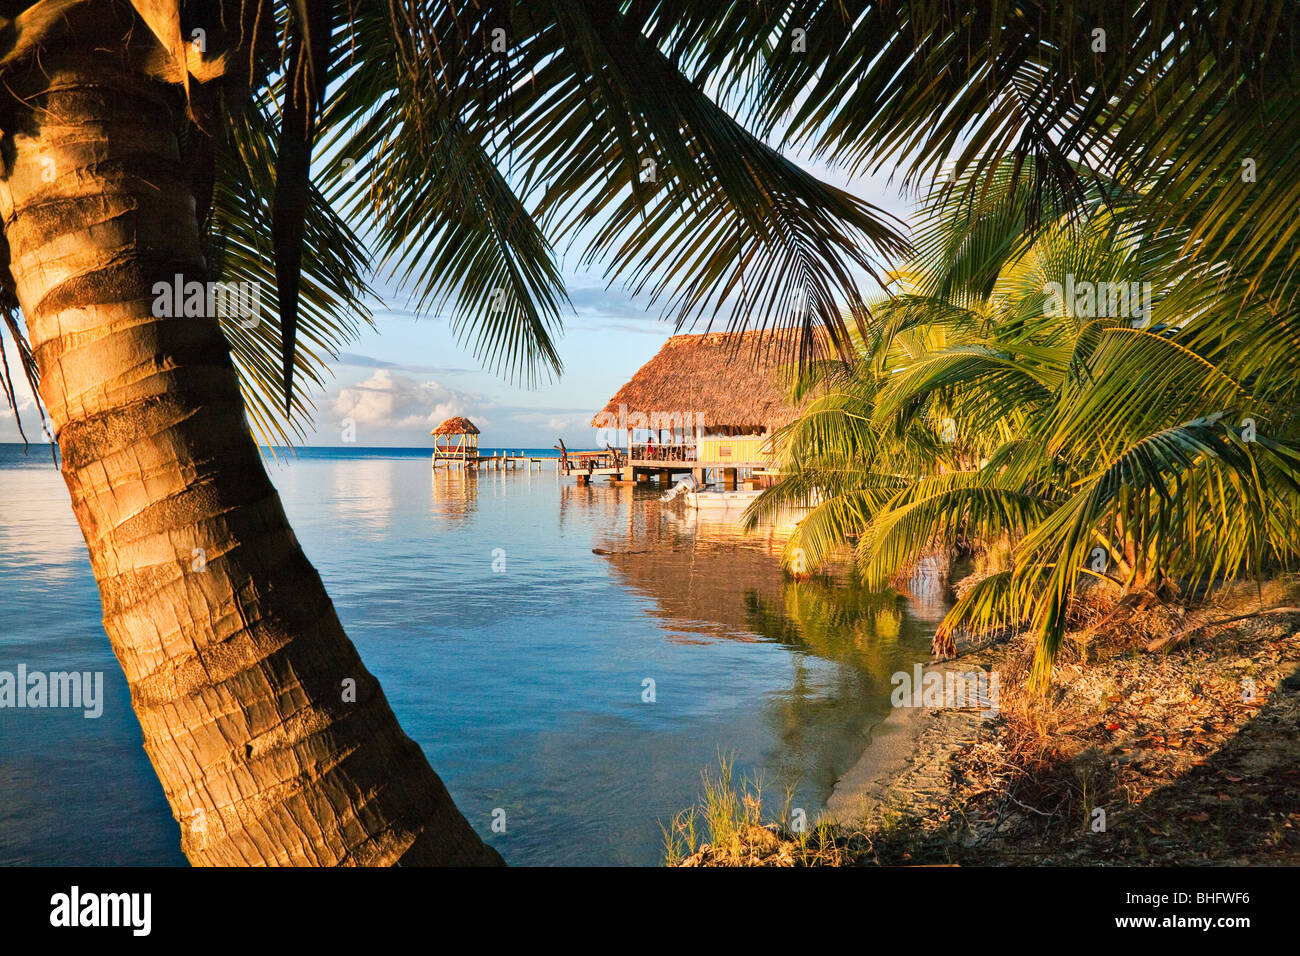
[1137,757]
[905,765]
[1180,757]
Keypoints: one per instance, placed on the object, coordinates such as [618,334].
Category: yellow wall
[743,449]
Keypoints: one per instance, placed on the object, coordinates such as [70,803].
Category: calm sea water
[517,657]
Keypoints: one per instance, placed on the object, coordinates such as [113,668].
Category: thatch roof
[729,380]
[460,425]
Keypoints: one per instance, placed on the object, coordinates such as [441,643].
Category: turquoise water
[516,656]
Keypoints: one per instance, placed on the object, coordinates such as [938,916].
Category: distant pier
[500,461]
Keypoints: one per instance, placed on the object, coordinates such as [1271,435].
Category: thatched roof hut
[736,383]
[455,441]
[459,425]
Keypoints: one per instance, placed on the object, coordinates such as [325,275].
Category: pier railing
[590,460]
[647,451]
[712,450]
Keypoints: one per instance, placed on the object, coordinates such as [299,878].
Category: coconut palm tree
[1089,429]
[1192,101]
[146,147]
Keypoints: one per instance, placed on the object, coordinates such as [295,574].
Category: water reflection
[929,589]
[711,582]
[454,492]
[521,678]
[37,534]
[363,494]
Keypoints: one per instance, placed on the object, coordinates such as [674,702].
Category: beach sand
[905,767]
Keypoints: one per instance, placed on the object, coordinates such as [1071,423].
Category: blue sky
[408,373]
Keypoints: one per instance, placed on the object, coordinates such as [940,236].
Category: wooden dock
[614,464]
[662,465]
[579,464]
[500,462]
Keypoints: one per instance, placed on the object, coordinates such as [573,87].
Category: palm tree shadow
[1240,805]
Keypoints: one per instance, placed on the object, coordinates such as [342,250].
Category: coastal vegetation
[1064,444]
[1085,378]
[1137,759]
[1078,399]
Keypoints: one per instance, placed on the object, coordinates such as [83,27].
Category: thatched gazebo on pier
[455,441]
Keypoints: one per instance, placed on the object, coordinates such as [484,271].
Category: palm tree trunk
[238,667]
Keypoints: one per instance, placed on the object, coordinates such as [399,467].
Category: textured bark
[236,671]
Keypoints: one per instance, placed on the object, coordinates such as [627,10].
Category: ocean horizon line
[359,447]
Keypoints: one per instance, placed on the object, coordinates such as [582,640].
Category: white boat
[714,500]
[697,497]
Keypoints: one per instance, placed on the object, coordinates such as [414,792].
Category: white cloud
[31,417]
[388,402]
[569,424]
